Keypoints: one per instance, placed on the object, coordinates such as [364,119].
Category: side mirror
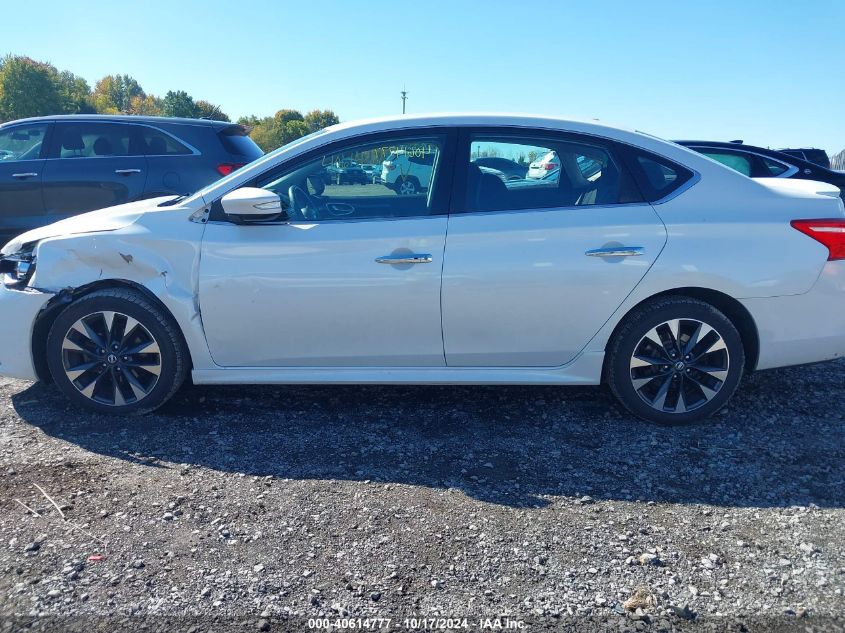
[251,204]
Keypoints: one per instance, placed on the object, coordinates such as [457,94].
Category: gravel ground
[256,508]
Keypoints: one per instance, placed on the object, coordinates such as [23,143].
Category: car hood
[799,188]
[108,219]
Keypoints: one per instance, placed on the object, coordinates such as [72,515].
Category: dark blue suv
[58,166]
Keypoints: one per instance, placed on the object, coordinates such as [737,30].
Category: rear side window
[774,167]
[97,140]
[656,176]
[543,172]
[236,141]
[157,143]
[737,162]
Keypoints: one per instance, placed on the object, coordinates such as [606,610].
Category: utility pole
[404,97]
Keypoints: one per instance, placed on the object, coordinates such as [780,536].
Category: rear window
[817,156]
[236,141]
[425,159]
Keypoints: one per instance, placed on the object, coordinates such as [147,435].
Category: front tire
[675,360]
[407,186]
[115,351]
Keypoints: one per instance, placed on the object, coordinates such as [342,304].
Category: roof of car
[717,144]
[123,118]
[475,118]
[592,127]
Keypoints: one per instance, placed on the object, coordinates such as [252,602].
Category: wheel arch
[54,307]
[730,307]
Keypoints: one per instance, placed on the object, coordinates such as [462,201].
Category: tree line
[31,88]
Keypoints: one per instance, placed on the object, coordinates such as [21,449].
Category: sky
[769,72]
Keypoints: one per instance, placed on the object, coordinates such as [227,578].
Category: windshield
[267,158]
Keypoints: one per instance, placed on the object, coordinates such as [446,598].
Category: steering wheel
[302,204]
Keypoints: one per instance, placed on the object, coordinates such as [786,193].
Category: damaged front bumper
[19,309]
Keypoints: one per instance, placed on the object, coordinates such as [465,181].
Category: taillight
[390,167]
[550,166]
[831,233]
[224,169]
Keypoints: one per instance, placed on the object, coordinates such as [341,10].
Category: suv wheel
[407,187]
[115,352]
[675,360]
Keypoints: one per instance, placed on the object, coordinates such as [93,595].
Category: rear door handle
[28,174]
[126,172]
[616,251]
[411,258]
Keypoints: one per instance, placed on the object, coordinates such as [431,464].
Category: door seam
[442,267]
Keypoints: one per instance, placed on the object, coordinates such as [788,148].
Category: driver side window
[391,178]
[22,142]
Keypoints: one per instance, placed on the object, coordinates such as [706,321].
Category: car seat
[72,142]
[157,146]
[137,146]
[486,191]
[102,147]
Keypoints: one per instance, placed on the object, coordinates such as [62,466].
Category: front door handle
[411,258]
[28,174]
[616,251]
[126,172]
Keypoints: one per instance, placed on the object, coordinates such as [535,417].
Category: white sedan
[657,271]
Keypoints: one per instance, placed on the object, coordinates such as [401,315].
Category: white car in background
[547,166]
[656,271]
[405,171]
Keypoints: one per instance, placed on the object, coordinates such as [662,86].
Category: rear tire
[115,351]
[675,360]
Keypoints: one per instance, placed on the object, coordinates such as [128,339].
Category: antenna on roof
[738,141]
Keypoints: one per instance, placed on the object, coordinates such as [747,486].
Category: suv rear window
[817,156]
[236,141]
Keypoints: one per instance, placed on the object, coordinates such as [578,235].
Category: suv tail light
[224,169]
[550,166]
[829,232]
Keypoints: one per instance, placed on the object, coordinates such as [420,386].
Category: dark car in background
[345,172]
[57,166]
[759,162]
[510,168]
[810,154]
